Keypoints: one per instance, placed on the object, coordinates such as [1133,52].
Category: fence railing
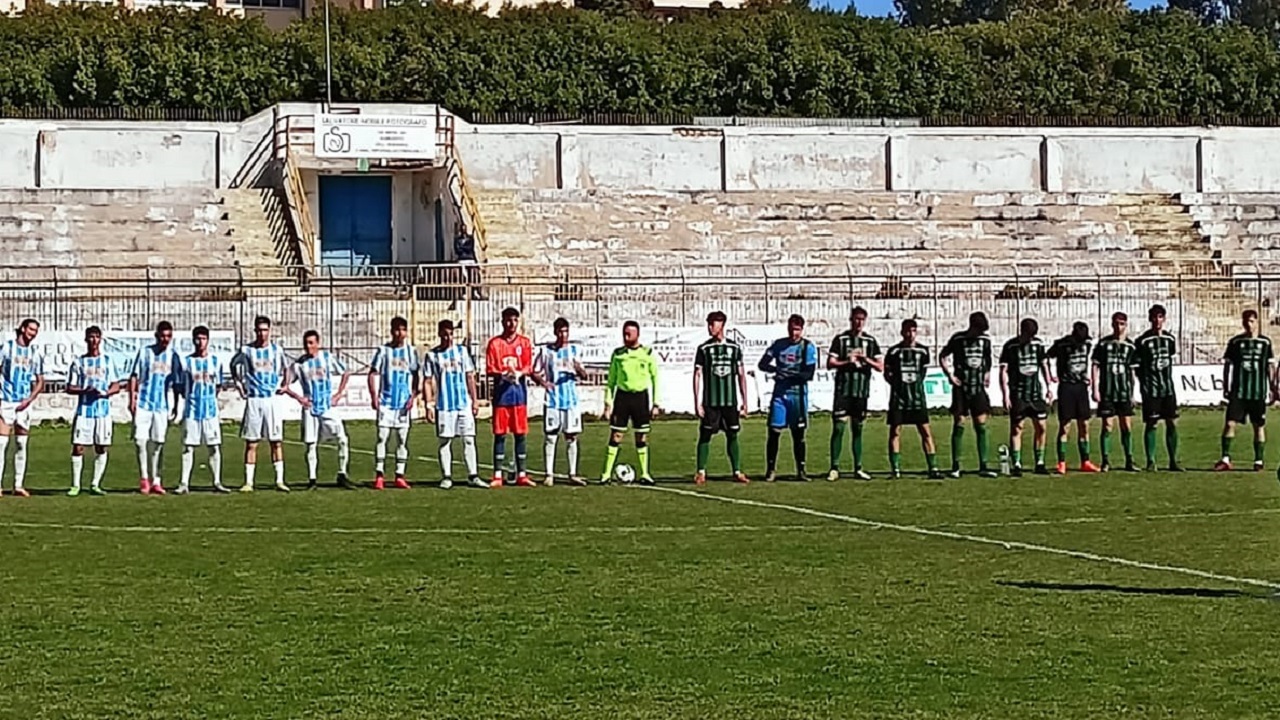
[352,306]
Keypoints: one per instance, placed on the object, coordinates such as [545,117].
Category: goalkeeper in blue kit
[792,361]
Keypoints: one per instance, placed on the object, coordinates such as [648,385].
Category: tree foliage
[775,59]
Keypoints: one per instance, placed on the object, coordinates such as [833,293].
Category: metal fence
[352,306]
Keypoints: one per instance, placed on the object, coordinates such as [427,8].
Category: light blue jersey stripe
[316,373]
[260,369]
[396,368]
[557,365]
[450,369]
[200,380]
[156,373]
[19,368]
[97,373]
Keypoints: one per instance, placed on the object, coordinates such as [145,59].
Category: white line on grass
[1114,518]
[1006,544]
[583,530]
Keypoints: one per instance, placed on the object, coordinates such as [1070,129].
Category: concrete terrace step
[111,198]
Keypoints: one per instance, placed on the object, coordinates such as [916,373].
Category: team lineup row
[164,387]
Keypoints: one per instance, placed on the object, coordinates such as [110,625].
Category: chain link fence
[352,306]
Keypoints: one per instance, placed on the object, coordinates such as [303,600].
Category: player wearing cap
[449,391]
[1070,354]
[508,361]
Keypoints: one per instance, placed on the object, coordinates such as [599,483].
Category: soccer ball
[624,473]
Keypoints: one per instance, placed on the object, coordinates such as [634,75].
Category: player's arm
[1226,374]
[291,375]
[415,382]
[543,366]
[345,377]
[611,382]
[1054,351]
[1004,378]
[75,380]
[1046,374]
[873,357]
[472,389]
[375,380]
[742,386]
[133,382]
[833,356]
[697,381]
[429,390]
[809,366]
[944,362]
[1095,372]
[651,365]
[767,363]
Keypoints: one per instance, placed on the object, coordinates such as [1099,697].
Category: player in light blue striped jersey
[259,370]
[449,391]
[557,369]
[393,386]
[21,382]
[314,370]
[153,378]
[93,379]
[200,376]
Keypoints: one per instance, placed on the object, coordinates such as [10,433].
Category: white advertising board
[403,137]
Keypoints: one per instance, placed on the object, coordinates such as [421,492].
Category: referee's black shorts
[631,408]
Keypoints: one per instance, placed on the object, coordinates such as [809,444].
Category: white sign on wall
[404,137]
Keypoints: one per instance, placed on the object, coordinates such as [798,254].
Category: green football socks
[957,436]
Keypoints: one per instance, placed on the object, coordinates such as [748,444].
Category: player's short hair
[978,321]
[717,316]
[560,324]
[398,322]
[261,320]
[1029,326]
[1249,315]
[1122,317]
[631,324]
[859,310]
[310,334]
[910,324]
[510,313]
[28,321]
[92,330]
[1157,310]
[164,326]
[199,331]
[796,319]
[1080,329]
[445,324]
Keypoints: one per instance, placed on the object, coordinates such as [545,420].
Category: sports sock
[895,461]
[446,458]
[1083,447]
[1149,443]
[1106,444]
[957,437]
[799,448]
[380,451]
[402,451]
[931,459]
[1039,454]
[1016,456]
[735,452]
[249,472]
[313,461]
[837,442]
[1171,442]
[522,454]
[549,452]
[704,452]
[77,469]
[610,457]
[642,451]
[99,468]
[1062,449]
[157,453]
[499,453]
[215,464]
[20,462]
[188,462]
[4,454]
[980,432]
[344,453]
[144,469]
[571,452]
[278,466]
[1126,442]
[1259,450]
[1226,447]
[469,455]
[771,450]
[856,429]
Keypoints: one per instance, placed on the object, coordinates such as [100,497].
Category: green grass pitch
[622,602]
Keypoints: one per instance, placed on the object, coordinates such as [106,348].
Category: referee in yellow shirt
[631,398]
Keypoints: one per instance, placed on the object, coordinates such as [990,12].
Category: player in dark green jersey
[1248,384]
[1157,351]
[854,355]
[1070,354]
[1024,380]
[905,367]
[970,376]
[1113,364]
[720,391]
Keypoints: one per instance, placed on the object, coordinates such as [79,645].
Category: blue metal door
[355,220]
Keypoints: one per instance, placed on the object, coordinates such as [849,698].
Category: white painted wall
[967,163]
[86,158]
